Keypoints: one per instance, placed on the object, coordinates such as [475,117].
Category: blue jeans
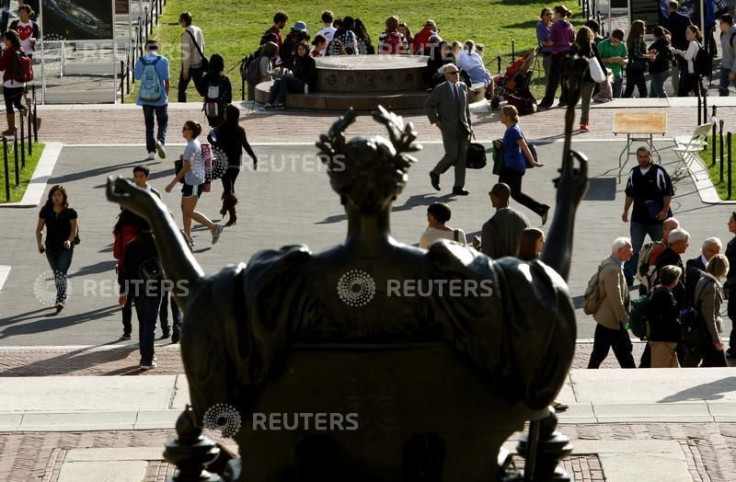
[162,118]
[657,84]
[284,85]
[147,307]
[163,312]
[60,260]
[638,233]
[724,82]
[617,84]
[635,78]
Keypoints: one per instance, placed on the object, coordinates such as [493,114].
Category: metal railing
[19,144]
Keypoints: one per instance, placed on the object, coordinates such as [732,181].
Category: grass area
[16,192]
[233,28]
[715,170]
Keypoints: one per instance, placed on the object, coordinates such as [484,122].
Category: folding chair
[688,148]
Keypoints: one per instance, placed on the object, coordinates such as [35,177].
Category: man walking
[613,312]
[728,50]
[192,55]
[152,70]
[650,189]
[677,24]
[500,235]
[447,108]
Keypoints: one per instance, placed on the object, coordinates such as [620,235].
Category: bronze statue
[437,381]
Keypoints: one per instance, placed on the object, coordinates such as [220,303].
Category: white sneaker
[160,149]
[216,232]
[151,156]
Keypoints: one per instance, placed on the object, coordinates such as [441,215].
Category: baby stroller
[513,85]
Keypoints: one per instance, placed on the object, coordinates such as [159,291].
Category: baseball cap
[299,26]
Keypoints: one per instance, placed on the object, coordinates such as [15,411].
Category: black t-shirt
[662,60]
[58,226]
[648,191]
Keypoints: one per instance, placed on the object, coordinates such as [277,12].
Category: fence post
[713,141]
[728,145]
[705,102]
[513,51]
[700,105]
[30,136]
[7,169]
[498,59]
[35,114]
[22,141]
[15,157]
[720,141]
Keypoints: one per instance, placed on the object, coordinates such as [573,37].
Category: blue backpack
[150,89]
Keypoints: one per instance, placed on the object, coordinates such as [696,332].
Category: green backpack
[638,316]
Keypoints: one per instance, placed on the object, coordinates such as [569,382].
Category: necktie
[457,97]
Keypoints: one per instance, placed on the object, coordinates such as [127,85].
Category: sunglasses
[456,72]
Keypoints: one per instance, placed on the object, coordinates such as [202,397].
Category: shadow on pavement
[53,321]
[707,391]
[74,361]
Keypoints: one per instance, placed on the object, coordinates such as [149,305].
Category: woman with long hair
[544,37]
[365,45]
[61,231]
[193,173]
[230,140]
[586,48]
[688,83]
[659,68]
[638,60]
[12,89]
[471,62]
[562,36]
[216,90]
[516,156]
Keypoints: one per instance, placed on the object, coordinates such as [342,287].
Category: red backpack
[126,234]
[23,71]
[392,44]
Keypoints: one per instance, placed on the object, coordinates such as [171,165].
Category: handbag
[596,72]
[205,61]
[476,157]
[178,164]
[497,157]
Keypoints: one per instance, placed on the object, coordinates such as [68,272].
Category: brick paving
[709,448]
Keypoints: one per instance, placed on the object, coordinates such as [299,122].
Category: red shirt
[7,63]
[279,40]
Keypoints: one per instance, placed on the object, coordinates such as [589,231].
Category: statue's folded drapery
[244,317]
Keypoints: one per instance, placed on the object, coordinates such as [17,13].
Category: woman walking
[438,214]
[659,68]
[638,60]
[516,156]
[688,83]
[216,90]
[193,174]
[708,299]
[61,232]
[230,140]
[12,89]
[584,41]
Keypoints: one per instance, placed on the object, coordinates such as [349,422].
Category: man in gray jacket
[728,49]
[500,235]
[447,108]
[613,312]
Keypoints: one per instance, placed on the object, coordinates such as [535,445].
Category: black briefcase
[476,156]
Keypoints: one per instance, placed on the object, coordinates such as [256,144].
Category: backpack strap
[199,50]
[456,235]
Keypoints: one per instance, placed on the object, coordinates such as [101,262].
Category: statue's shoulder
[448,256]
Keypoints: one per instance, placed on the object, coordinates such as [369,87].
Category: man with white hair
[649,254]
[695,268]
[677,244]
[613,312]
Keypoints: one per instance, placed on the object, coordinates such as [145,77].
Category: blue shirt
[513,157]
[544,35]
[162,69]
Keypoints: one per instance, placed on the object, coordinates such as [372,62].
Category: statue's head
[368,172]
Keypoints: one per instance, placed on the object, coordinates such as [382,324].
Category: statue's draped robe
[239,322]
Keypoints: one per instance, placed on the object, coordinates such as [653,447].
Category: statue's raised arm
[176,258]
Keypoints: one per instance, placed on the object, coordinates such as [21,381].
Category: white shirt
[431,235]
[25,30]
[469,60]
[327,33]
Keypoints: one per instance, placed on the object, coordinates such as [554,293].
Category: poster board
[77,20]
[122,7]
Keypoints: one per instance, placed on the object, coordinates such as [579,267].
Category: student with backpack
[14,64]
[152,71]
[663,324]
[216,90]
[391,41]
[610,303]
[697,60]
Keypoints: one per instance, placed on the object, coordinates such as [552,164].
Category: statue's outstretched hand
[573,182]
[129,196]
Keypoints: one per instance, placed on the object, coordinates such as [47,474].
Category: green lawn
[233,27]
[715,170]
[16,192]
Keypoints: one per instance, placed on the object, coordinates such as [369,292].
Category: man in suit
[447,108]
[695,268]
[613,312]
[500,235]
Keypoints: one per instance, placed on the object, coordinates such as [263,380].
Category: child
[663,324]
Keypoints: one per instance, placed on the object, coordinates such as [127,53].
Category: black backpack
[702,63]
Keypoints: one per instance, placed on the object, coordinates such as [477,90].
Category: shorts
[188,190]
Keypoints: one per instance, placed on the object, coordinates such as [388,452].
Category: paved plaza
[103,411]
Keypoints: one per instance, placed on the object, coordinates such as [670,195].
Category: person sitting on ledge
[320,44]
[391,41]
[471,62]
[266,71]
[303,77]
[344,42]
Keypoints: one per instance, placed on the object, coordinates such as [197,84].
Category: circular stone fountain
[362,82]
